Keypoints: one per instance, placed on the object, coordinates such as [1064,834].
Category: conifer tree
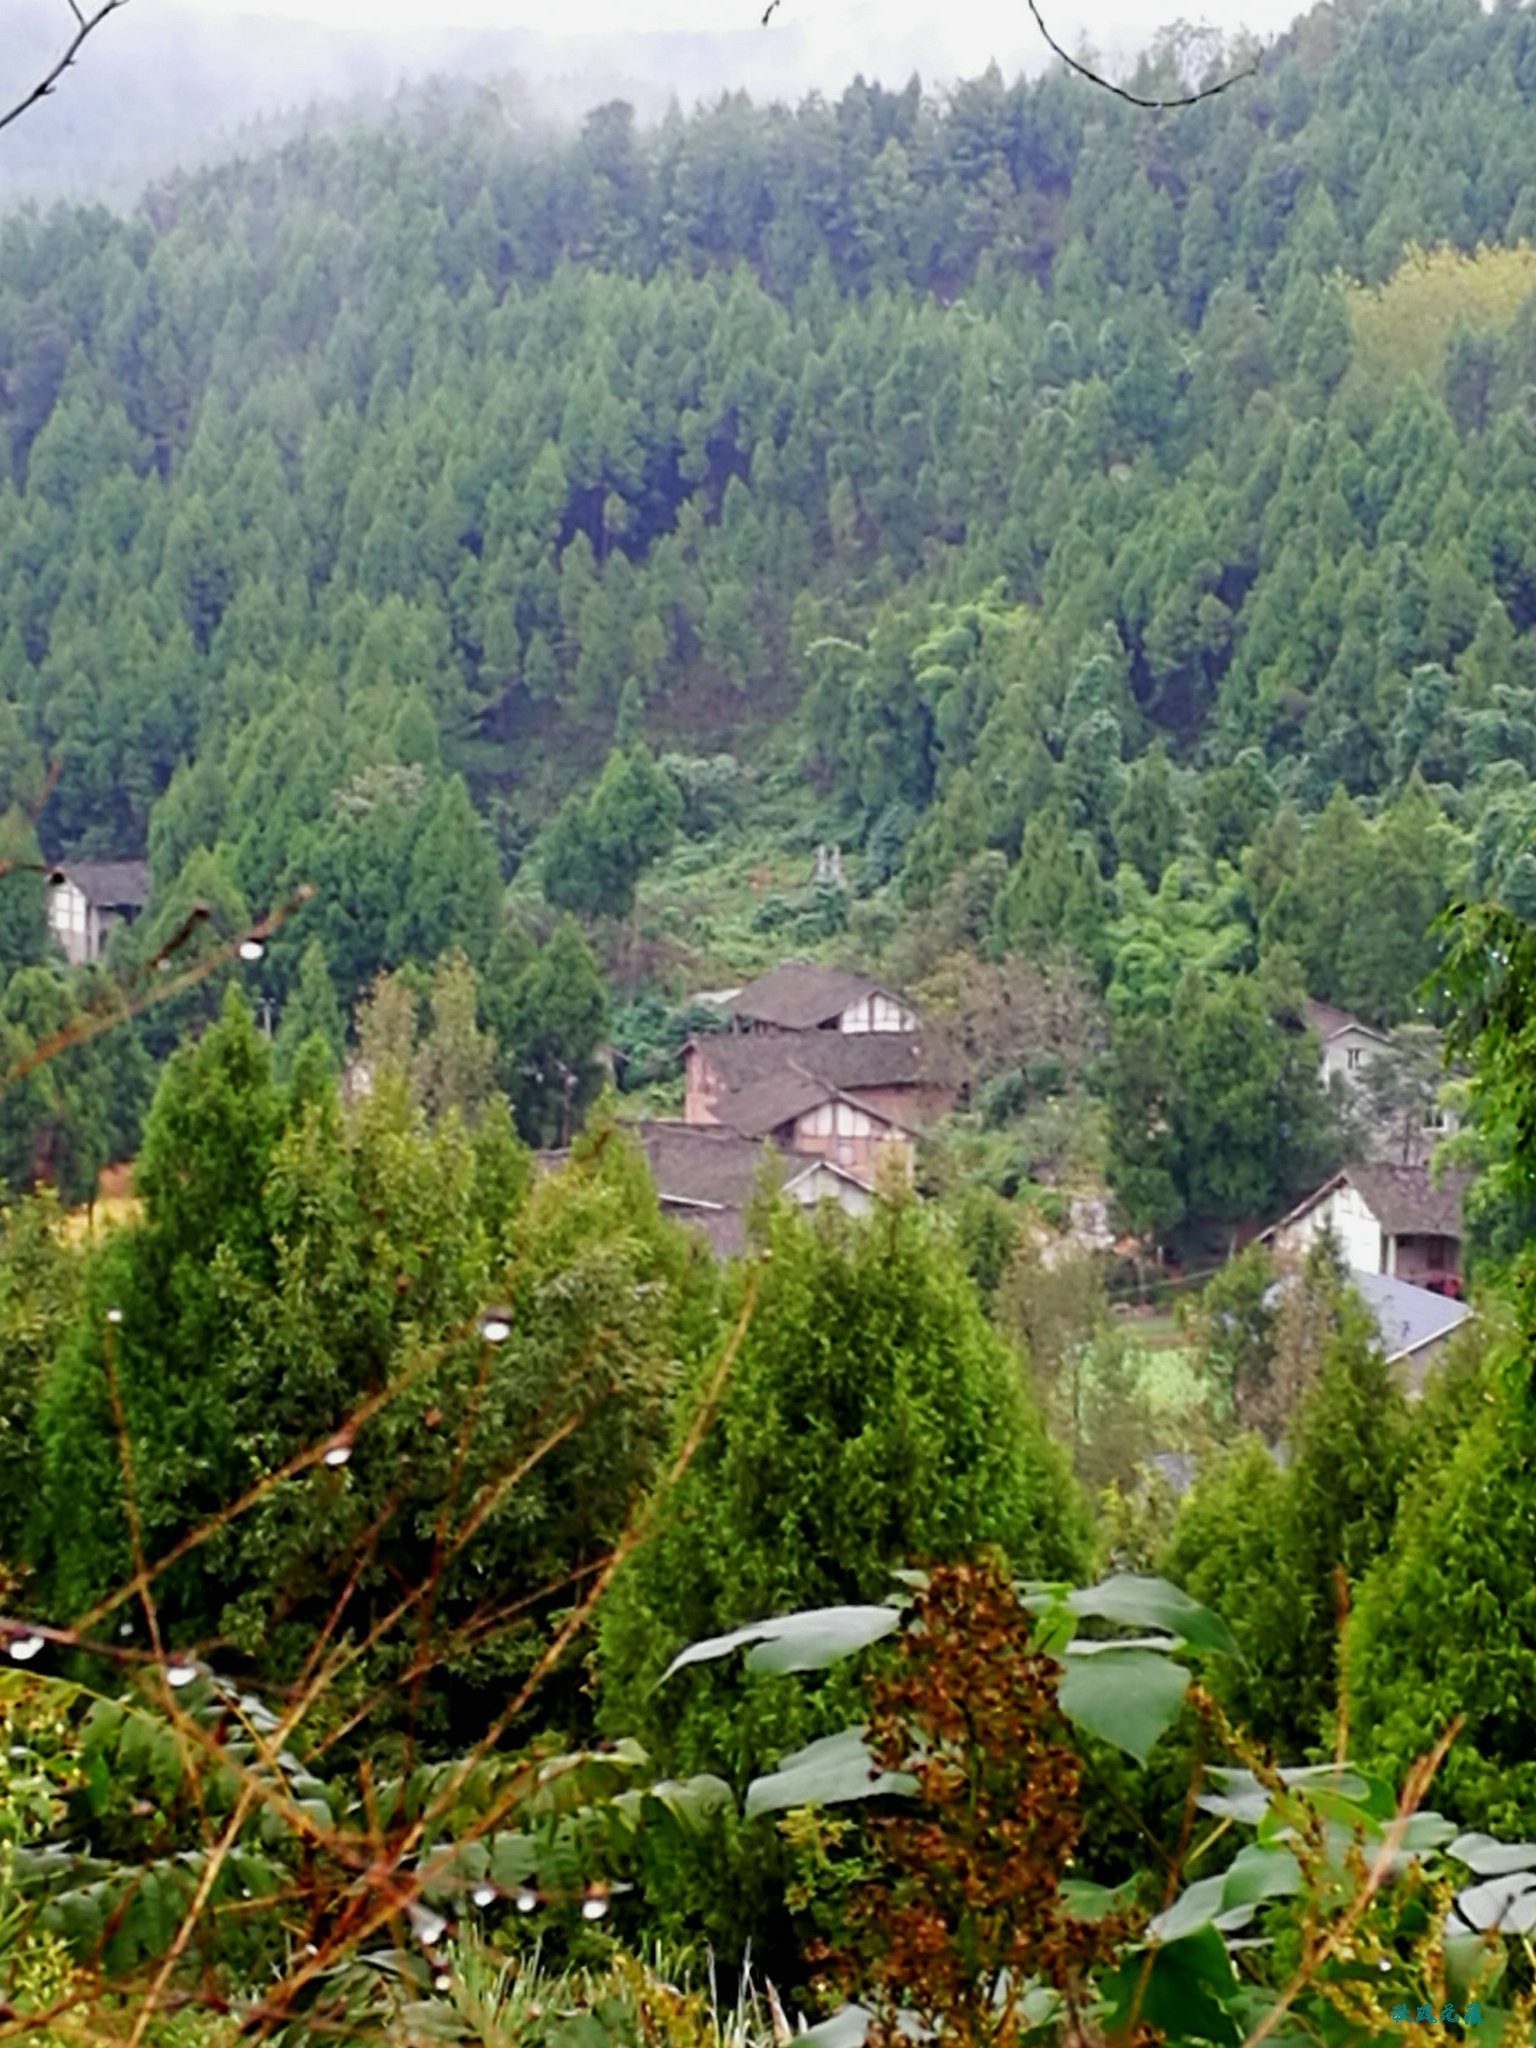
[873,1419]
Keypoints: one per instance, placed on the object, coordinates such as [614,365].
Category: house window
[1354,1058]
[1434,1117]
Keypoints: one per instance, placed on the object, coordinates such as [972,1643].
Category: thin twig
[94,1022]
[1411,1799]
[85,25]
[398,1886]
[1134,99]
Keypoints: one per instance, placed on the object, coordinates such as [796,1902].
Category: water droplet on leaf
[429,1927]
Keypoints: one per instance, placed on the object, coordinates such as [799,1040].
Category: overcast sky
[832,39]
[169,83]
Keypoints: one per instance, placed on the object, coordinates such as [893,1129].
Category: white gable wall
[73,922]
[876,1012]
[819,1184]
[1349,1052]
[1364,1244]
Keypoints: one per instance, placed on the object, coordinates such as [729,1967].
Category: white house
[1387,1219]
[1348,1045]
[87,898]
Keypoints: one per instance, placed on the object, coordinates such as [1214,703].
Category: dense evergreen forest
[1124,521]
[1079,563]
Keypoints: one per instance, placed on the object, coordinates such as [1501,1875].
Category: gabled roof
[828,1169]
[1403,1199]
[704,1166]
[1407,1203]
[781,1097]
[842,1059]
[109,884]
[775,1099]
[1408,1318]
[799,997]
[1328,1022]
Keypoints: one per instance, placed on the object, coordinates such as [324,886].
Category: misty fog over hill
[167,87]
[159,89]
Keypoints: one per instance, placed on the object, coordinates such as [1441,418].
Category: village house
[87,898]
[708,1177]
[800,997]
[818,1085]
[1400,1121]
[1348,1044]
[1387,1219]
[1412,1323]
[761,1082]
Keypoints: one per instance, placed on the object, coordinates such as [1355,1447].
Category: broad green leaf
[1125,1696]
[433,2019]
[1197,1906]
[1085,1900]
[513,1861]
[795,1642]
[1139,1602]
[826,1773]
[1472,1967]
[1425,1831]
[1186,1991]
[1485,1857]
[1257,1873]
[849,2028]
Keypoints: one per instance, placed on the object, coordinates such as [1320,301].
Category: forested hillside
[1072,491]
[1073,565]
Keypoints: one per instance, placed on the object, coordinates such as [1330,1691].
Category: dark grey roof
[842,1059]
[109,884]
[799,997]
[703,1164]
[1408,1318]
[771,1101]
[1329,1022]
[1407,1203]
[706,1177]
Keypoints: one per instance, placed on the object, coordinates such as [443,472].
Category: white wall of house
[74,922]
[836,1120]
[851,1136]
[876,1012]
[1349,1053]
[818,1184]
[1360,1235]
